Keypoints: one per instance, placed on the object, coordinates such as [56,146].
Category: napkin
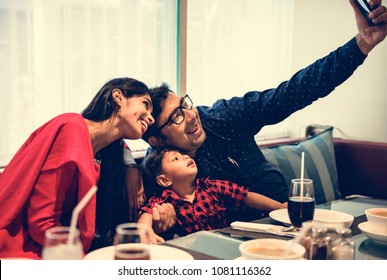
[263,228]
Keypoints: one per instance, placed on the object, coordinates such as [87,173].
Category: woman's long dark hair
[103,105]
[112,205]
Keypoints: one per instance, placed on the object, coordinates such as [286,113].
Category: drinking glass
[301,201]
[57,247]
[132,242]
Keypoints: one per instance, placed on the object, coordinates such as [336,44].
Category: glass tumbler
[132,242]
[57,247]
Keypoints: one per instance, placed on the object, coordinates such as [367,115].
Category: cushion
[320,163]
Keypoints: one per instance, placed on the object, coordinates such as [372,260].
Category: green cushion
[320,163]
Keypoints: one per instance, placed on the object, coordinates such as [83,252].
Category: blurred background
[55,55]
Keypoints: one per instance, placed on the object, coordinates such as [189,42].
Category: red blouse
[44,181]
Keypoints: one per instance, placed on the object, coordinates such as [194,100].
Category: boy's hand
[154,238]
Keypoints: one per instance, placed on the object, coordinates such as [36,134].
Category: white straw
[77,210]
[302,233]
[302,175]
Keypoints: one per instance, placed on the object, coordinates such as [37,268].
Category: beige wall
[358,107]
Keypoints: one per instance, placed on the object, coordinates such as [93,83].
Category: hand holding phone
[365,9]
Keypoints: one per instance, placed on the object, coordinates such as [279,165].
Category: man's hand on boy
[163,216]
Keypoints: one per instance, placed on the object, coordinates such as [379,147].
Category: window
[56,54]
[235,47]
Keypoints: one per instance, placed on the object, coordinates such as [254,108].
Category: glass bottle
[332,236]
[343,248]
[318,244]
[305,236]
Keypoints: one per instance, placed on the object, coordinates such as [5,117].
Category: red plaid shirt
[207,211]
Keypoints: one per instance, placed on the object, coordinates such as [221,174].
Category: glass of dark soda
[301,201]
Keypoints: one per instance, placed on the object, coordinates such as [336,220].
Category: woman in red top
[62,160]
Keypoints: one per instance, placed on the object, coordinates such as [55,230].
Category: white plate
[281,215]
[158,252]
[376,235]
[244,259]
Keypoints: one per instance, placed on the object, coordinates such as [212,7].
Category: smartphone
[365,9]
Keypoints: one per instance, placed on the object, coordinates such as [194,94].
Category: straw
[302,175]
[302,233]
[77,210]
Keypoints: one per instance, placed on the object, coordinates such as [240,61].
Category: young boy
[200,204]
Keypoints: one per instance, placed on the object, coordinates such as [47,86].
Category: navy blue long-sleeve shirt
[230,151]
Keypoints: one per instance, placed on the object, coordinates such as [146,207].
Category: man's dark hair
[158,95]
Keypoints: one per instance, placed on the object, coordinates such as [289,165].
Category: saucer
[325,216]
[373,250]
[376,235]
[158,252]
[244,259]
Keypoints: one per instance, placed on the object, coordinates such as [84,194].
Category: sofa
[361,166]
[338,167]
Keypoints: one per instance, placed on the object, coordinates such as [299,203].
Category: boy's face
[177,168]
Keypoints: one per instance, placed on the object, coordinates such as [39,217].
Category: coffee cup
[271,249]
[377,217]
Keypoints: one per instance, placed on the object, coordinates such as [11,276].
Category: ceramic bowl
[271,249]
[378,235]
[335,219]
[377,217]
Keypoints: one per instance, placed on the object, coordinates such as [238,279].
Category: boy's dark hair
[151,168]
[158,95]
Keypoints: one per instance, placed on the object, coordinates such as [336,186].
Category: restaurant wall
[358,107]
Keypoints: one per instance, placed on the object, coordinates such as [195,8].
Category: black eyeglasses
[177,115]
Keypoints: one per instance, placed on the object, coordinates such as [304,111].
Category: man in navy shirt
[221,138]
